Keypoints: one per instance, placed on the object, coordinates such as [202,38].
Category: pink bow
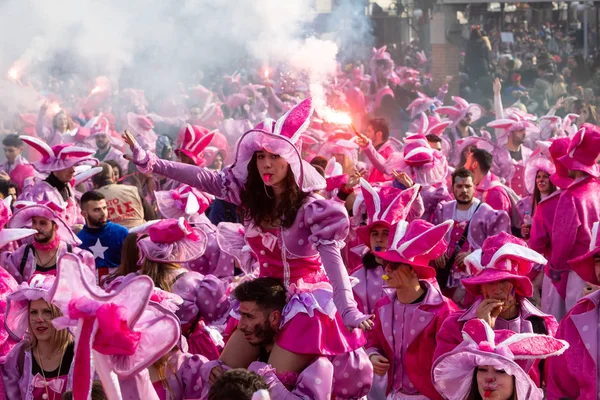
[491,348]
[54,384]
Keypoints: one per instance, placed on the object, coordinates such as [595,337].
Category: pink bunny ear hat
[59,157]
[280,137]
[184,201]
[452,373]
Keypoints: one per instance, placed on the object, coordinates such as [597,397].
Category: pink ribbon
[54,384]
[491,348]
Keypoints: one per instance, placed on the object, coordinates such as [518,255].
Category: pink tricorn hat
[8,235]
[280,137]
[194,140]
[584,265]
[460,110]
[171,241]
[17,304]
[45,209]
[452,373]
[185,201]
[385,207]
[416,244]
[502,257]
[59,157]
[583,150]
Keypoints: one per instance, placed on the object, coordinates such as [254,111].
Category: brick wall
[445,59]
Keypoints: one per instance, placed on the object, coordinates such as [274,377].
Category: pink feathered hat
[170,241]
[185,201]
[511,125]
[421,104]
[17,304]
[59,157]
[194,141]
[460,110]
[427,125]
[425,165]
[452,373]
[502,257]
[45,209]
[416,244]
[10,235]
[120,332]
[385,207]
[533,165]
[584,265]
[280,137]
[583,150]
[502,166]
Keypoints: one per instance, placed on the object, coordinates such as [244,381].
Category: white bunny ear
[423,123]
[476,331]
[371,200]
[41,146]
[262,394]
[473,262]
[462,103]
[191,206]
[8,201]
[501,123]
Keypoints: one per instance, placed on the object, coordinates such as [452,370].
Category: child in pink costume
[292,245]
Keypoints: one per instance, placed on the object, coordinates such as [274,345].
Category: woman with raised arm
[294,233]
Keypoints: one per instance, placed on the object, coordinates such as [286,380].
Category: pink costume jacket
[116,155]
[485,222]
[424,322]
[296,254]
[491,191]
[517,183]
[541,225]
[42,190]
[11,261]
[450,335]
[6,167]
[378,159]
[369,288]
[432,196]
[574,374]
[577,209]
[21,384]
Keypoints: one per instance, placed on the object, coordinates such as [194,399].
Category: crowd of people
[247,242]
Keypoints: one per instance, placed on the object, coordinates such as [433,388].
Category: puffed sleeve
[203,295]
[220,184]
[353,375]
[313,383]
[11,374]
[190,375]
[328,222]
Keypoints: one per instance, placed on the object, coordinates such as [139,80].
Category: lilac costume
[8,168]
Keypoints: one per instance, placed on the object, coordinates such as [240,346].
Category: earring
[267,192]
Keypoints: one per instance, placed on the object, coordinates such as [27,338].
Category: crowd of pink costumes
[243,242]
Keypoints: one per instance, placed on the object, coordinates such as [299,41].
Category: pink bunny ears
[57,157]
[513,346]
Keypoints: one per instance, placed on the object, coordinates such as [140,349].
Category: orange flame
[266,73]
[336,117]
[96,90]
[14,73]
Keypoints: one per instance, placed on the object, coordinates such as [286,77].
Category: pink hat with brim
[280,137]
[17,304]
[452,373]
[10,235]
[171,241]
[460,110]
[184,201]
[533,166]
[194,139]
[59,157]
[583,151]
[584,265]
[416,244]
[49,210]
[502,257]
[384,207]
[120,331]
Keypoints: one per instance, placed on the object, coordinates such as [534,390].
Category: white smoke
[158,43]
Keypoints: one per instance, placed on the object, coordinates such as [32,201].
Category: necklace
[37,256]
[44,374]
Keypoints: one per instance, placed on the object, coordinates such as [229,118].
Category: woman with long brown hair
[39,367]
[296,234]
